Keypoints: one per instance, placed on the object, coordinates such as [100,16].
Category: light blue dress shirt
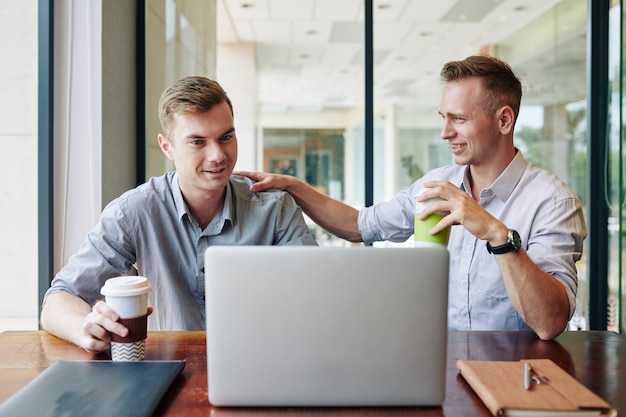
[546,213]
[151,228]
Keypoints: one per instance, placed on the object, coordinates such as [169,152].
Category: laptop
[321,326]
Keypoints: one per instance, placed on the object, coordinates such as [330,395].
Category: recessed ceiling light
[520,8]
[383,6]
[246,5]
[311,32]
[425,34]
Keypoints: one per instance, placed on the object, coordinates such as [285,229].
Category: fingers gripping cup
[128,296]
[421,227]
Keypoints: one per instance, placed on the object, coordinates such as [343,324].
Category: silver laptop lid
[318,326]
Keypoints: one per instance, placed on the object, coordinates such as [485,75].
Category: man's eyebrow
[452,114]
[199,136]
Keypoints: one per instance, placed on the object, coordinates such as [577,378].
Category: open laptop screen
[319,326]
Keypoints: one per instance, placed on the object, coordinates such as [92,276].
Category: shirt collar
[504,185]
[228,212]
[179,201]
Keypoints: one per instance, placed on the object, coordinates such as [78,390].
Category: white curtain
[78,123]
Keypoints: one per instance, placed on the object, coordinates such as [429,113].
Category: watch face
[513,244]
[515,239]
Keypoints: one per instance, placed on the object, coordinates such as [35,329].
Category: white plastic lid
[126,286]
[421,205]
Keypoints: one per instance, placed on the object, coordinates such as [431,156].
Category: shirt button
[468,247]
[463,311]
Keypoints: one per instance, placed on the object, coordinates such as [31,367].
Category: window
[306,60]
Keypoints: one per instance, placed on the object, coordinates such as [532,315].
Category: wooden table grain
[597,359]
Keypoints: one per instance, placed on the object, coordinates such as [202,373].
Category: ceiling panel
[347,32]
[311,31]
[339,56]
[470,11]
[246,10]
[390,10]
[271,31]
[416,11]
[291,10]
[310,52]
[338,10]
[391,34]
[268,56]
[305,55]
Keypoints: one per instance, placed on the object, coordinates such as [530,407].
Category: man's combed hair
[189,95]
[501,85]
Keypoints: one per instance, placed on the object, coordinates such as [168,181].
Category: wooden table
[597,359]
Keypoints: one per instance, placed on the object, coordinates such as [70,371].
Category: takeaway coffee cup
[128,296]
[421,227]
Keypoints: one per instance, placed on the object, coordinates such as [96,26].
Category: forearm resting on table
[64,315]
[540,298]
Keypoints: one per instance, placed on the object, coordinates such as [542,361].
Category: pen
[527,372]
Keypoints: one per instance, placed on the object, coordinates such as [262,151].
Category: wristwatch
[513,245]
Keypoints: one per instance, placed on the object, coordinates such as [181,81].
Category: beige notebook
[550,392]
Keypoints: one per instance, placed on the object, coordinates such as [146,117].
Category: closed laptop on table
[320,326]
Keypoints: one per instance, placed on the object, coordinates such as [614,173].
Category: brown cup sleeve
[137,330]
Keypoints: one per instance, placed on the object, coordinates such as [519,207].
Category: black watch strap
[513,244]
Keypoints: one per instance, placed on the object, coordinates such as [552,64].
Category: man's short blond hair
[189,95]
[501,86]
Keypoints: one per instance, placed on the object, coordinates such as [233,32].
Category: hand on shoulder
[266,180]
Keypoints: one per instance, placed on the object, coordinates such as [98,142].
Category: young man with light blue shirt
[518,230]
[163,227]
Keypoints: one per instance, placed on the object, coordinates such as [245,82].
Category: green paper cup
[421,227]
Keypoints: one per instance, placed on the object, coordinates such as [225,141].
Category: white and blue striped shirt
[546,213]
[150,228]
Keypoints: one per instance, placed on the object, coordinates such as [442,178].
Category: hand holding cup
[128,296]
[421,227]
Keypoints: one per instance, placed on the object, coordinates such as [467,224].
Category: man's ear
[506,120]
[166,146]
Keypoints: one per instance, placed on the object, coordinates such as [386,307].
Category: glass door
[615,193]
